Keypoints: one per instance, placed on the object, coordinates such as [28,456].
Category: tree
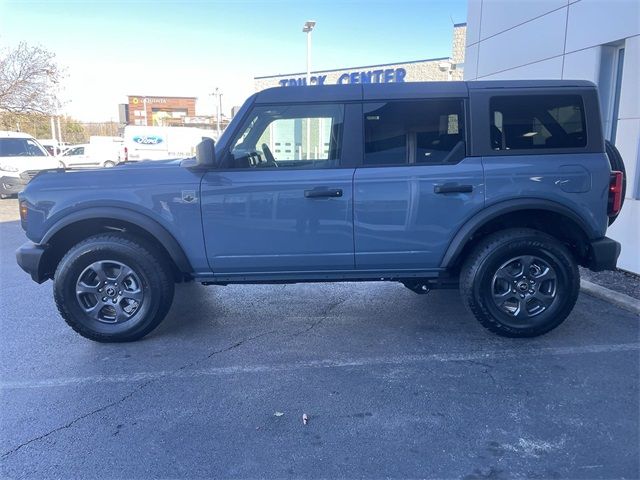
[29,78]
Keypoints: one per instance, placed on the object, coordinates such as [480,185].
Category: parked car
[99,152]
[21,158]
[53,146]
[498,188]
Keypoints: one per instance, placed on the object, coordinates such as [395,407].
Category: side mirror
[206,153]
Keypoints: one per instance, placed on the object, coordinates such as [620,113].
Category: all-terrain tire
[150,280]
[488,271]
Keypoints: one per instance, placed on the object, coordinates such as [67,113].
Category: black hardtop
[406,90]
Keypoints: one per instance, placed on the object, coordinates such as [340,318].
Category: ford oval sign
[147,139]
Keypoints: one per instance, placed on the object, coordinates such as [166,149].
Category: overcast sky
[187,48]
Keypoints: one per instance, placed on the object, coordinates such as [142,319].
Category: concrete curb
[619,299]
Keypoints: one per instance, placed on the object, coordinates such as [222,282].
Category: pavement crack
[130,394]
[486,369]
[77,419]
[310,327]
[323,317]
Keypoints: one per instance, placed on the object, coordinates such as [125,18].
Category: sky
[111,49]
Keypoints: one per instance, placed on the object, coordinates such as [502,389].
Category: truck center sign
[387,75]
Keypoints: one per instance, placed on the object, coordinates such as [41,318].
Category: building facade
[309,138]
[432,69]
[596,40]
[160,111]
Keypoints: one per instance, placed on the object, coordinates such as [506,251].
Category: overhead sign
[387,75]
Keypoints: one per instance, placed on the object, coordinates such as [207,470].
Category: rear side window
[531,122]
[422,132]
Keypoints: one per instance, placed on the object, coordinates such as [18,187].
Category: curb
[619,299]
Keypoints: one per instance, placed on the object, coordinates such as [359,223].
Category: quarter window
[531,122]
[290,136]
[423,132]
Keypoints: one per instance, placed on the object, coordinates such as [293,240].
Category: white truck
[160,143]
[101,151]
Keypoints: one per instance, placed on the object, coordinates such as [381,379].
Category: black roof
[387,91]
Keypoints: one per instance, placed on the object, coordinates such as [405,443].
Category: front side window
[414,132]
[75,151]
[20,147]
[290,136]
[530,122]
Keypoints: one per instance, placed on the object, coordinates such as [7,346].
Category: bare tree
[29,78]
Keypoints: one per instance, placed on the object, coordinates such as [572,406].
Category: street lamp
[308,28]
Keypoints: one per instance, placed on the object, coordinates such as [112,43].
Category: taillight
[615,194]
[126,154]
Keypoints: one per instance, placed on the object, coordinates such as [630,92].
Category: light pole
[217,94]
[307,28]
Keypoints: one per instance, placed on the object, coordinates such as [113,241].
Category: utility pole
[217,95]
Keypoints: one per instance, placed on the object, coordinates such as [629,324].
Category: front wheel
[113,288]
[520,283]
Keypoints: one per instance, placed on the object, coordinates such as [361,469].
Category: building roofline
[353,68]
[162,96]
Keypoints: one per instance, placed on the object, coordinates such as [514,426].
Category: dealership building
[572,39]
[302,139]
[431,69]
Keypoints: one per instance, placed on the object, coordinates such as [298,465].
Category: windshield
[21,147]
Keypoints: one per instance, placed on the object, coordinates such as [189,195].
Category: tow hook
[417,286]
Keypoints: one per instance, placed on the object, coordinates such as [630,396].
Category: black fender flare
[151,226]
[494,211]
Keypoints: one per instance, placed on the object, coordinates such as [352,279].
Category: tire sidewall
[65,290]
[566,273]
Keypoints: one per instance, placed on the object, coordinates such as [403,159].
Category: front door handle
[322,192]
[452,188]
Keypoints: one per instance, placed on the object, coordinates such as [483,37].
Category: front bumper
[30,257]
[12,185]
[603,254]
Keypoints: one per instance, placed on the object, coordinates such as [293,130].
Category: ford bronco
[498,188]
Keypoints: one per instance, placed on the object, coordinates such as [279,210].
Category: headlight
[8,168]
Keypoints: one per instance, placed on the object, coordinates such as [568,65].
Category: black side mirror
[206,153]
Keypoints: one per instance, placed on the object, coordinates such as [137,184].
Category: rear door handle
[452,188]
[322,192]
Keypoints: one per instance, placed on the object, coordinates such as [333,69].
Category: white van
[99,152]
[21,158]
[160,143]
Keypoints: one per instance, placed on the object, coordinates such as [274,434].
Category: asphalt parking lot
[394,384]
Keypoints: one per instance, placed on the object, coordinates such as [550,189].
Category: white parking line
[328,363]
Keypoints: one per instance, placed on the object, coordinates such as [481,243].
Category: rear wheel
[109,164]
[520,283]
[113,288]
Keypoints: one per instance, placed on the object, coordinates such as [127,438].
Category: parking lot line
[182,372]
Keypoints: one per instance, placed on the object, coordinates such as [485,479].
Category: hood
[14,166]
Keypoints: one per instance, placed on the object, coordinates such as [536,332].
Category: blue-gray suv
[498,188]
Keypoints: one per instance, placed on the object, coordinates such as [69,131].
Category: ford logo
[147,139]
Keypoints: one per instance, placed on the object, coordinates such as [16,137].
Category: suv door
[282,197]
[416,186]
